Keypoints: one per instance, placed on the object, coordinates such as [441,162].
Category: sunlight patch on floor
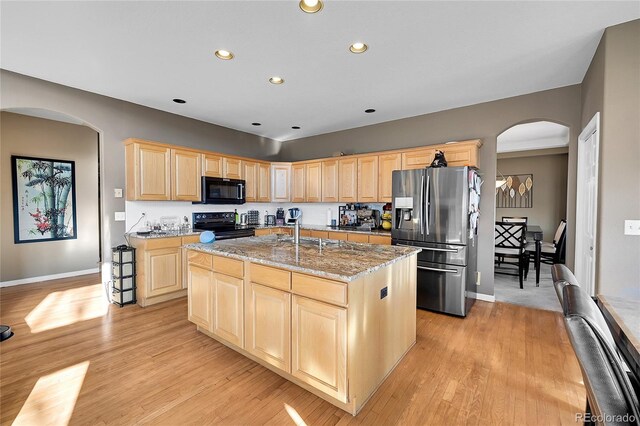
[62,308]
[53,398]
[294,415]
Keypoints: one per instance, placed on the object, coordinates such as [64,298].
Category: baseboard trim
[49,277]
[485,297]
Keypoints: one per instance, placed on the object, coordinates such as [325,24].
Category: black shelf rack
[123,275]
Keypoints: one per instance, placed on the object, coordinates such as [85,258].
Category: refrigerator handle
[426,222]
[421,205]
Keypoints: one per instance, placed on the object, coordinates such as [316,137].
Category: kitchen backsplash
[312,213]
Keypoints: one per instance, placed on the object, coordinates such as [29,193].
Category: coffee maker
[280,217]
[293,215]
[368,218]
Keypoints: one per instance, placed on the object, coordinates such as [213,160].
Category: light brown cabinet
[418,159]
[263,188]
[387,164]
[298,183]
[185,175]
[330,181]
[314,182]
[228,308]
[358,238]
[231,168]
[461,155]
[281,182]
[201,294]
[147,172]
[368,179]
[250,173]
[268,325]
[211,165]
[319,346]
[348,180]
[164,271]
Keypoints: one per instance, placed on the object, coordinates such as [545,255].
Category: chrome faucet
[296,232]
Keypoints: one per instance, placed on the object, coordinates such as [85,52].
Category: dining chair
[510,249]
[514,219]
[552,252]
[562,276]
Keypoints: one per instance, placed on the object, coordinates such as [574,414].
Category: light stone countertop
[163,234]
[336,260]
[329,228]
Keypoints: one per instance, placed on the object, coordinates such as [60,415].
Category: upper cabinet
[231,168]
[263,188]
[418,159]
[387,164]
[330,181]
[461,154]
[148,172]
[368,179]
[211,165]
[185,175]
[298,183]
[314,182]
[348,180]
[250,173]
[281,182]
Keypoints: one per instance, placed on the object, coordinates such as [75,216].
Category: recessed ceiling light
[358,47]
[276,80]
[311,6]
[256,124]
[295,127]
[179,101]
[224,54]
[370,110]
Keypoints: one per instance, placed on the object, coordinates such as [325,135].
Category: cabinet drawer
[338,236]
[319,234]
[358,238]
[305,233]
[380,239]
[201,259]
[261,232]
[319,288]
[232,267]
[158,243]
[190,239]
[272,277]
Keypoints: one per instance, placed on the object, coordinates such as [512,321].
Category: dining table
[534,232]
[623,318]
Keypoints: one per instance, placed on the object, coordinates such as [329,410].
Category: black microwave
[222,191]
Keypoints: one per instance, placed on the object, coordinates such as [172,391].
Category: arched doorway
[531,187]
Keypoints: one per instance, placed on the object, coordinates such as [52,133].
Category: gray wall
[549,189]
[485,121]
[36,137]
[612,86]
[116,120]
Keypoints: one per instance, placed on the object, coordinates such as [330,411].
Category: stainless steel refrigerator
[437,209]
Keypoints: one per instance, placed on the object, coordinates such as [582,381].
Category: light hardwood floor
[502,364]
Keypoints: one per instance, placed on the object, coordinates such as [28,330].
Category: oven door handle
[449,271]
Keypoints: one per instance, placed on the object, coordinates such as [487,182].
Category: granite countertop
[337,260]
[163,234]
[330,229]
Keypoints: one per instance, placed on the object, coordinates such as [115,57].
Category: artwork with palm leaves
[44,199]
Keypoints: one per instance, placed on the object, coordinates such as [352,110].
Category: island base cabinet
[268,325]
[319,346]
[227,310]
[200,294]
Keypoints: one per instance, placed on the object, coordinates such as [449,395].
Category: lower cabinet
[227,308]
[319,346]
[268,325]
[201,293]
[164,269]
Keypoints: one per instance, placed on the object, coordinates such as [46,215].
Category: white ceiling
[529,136]
[423,57]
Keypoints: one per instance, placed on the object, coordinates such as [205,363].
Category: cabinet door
[464,155]
[163,270]
[264,183]
[251,180]
[348,180]
[231,168]
[358,238]
[387,164]
[281,182]
[185,175]
[417,159]
[211,165]
[298,183]
[261,232]
[268,322]
[330,181]
[314,182]
[201,297]
[227,310]
[368,179]
[152,172]
[319,346]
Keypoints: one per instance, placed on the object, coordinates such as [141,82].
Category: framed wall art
[516,192]
[44,199]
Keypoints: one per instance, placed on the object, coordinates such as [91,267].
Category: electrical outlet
[117,192]
[120,216]
[478,276]
[632,227]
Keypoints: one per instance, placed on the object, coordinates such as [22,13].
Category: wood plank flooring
[84,364]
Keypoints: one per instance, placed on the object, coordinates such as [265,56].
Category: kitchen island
[333,317]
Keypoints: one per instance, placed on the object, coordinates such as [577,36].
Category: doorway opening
[531,202]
